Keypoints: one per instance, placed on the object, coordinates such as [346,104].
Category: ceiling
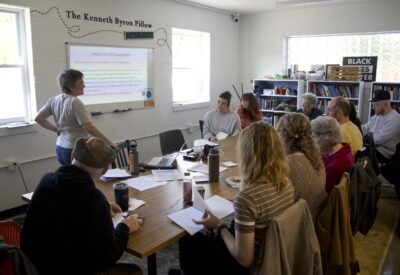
[255,6]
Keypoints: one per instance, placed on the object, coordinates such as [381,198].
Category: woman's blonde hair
[262,156]
[295,130]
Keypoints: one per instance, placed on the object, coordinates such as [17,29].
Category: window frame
[205,40]
[23,29]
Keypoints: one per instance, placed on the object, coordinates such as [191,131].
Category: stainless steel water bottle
[213,165]
[187,189]
[133,159]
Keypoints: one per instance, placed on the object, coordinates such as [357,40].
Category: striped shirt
[255,206]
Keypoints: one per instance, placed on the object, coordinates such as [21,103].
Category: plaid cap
[380,95]
[93,152]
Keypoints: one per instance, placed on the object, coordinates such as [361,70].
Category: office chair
[201,124]
[171,141]
[11,232]
[122,160]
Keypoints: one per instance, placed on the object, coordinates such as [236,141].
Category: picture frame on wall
[328,70]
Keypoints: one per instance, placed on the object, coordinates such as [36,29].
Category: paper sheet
[229,164]
[133,204]
[144,182]
[219,206]
[203,168]
[115,174]
[184,218]
[202,142]
[166,174]
[200,178]
[221,135]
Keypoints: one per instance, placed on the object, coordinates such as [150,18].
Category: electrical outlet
[11,162]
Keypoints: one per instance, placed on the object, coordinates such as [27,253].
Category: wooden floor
[391,265]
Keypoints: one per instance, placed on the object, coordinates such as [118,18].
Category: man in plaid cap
[68,227]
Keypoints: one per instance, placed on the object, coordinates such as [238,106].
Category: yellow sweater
[352,135]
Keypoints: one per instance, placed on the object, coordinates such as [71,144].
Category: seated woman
[221,121]
[337,156]
[309,104]
[265,192]
[248,110]
[306,169]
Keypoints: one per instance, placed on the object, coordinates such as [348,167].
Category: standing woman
[248,110]
[72,119]
[307,171]
[265,192]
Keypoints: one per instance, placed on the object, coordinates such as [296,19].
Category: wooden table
[158,231]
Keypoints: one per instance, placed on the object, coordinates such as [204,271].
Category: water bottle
[213,165]
[133,159]
[187,189]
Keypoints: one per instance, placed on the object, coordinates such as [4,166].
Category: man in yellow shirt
[339,108]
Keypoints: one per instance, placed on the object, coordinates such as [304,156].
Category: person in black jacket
[68,227]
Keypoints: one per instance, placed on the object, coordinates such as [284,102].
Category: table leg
[152,264]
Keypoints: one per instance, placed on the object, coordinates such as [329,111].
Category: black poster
[367,63]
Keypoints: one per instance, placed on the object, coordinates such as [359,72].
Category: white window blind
[319,50]
[190,67]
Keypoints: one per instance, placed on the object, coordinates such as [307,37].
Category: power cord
[22,176]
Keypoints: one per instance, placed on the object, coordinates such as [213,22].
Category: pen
[127,215]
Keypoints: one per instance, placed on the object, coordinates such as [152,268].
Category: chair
[290,244]
[391,170]
[370,152]
[122,160]
[171,141]
[11,232]
[365,189]
[334,231]
[201,124]
[14,261]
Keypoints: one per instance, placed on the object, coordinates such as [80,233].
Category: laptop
[164,162]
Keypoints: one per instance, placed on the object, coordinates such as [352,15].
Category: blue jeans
[64,155]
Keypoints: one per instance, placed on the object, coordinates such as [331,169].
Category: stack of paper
[144,182]
[217,205]
[115,174]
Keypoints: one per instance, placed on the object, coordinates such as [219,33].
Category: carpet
[371,249]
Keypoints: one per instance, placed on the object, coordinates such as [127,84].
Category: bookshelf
[277,97]
[393,88]
[325,90]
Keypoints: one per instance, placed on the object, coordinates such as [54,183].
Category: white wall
[35,150]
[262,35]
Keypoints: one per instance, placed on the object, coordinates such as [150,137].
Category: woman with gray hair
[72,119]
[309,103]
[337,156]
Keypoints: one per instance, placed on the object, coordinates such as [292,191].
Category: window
[190,67]
[318,50]
[17,93]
